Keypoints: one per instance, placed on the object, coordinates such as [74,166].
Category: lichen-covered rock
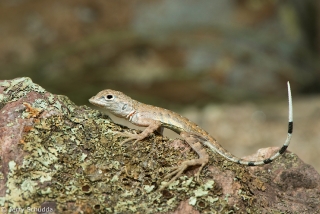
[62,158]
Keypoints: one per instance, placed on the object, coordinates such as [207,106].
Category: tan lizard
[156,118]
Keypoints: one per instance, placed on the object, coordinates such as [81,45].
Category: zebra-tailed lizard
[156,118]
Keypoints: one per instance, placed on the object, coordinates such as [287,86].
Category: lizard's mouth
[96,102]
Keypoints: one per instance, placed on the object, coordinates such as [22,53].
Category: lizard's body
[156,118]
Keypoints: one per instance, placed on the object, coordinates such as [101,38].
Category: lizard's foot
[180,169]
[153,125]
[131,137]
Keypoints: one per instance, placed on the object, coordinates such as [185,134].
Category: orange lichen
[33,112]
[27,128]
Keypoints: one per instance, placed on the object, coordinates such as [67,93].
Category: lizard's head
[116,102]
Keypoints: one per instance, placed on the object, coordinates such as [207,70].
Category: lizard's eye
[109,97]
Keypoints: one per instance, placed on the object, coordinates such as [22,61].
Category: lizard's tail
[233,158]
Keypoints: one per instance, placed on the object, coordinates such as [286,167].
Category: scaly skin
[156,118]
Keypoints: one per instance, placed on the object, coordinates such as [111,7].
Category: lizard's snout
[95,101]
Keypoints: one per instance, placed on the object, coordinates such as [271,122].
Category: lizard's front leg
[203,159]
[153,126]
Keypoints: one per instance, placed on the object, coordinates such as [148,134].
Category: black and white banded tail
[273,157]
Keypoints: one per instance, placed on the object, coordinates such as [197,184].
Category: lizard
[156,118]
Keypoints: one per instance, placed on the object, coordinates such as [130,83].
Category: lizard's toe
[126,141]
[130,136]
[177,171]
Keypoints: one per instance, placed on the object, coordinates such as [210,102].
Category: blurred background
[222,64]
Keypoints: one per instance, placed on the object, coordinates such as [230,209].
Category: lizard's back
[171,120]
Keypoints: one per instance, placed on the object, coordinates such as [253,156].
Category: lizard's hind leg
[202,160]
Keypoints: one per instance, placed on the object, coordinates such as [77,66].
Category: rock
[57,157]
